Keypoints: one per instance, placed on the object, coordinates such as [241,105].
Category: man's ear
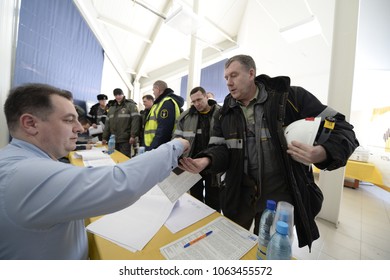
[28,123]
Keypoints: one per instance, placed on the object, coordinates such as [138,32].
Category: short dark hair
[245,60]
[33,99]
[117,91]
[196,89]
[148,96]
[161,85]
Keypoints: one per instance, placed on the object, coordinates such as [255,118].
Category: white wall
[111,80]
[9,15]
[371,83]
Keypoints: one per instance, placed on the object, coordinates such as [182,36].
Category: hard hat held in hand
[304,130]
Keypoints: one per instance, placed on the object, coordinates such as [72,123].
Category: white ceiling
[143,48]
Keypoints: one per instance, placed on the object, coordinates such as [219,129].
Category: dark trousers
[211,194]
[124,148]
[247,212]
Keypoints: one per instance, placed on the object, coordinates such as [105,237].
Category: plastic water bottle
[111,144]
[141,150]
[285,213]
[264,229]
[279,247]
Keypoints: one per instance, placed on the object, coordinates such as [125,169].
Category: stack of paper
[94,157]
[134,226]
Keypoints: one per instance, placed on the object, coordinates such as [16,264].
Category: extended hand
[194,165]
[306,154]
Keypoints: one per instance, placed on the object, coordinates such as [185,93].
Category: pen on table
[197,239]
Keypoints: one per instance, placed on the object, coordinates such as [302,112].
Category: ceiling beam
[127,29]
[156,29]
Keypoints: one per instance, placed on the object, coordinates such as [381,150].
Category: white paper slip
[187,211]
[99,162]
[228,241]
[97,130]
[177,183]
[94,157]
[91,154]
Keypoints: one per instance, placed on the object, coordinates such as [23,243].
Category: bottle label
[261,252]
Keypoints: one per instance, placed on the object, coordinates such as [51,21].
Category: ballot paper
[228,241]
[177,183]
[133,227]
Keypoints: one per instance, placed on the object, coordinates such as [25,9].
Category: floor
[363,232]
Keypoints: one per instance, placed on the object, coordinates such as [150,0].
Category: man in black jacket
[98,113]
[195,125]
[248,143]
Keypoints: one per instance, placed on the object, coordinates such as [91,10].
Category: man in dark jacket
[195,125]
[98,113]
[160,122]
[124,121]
[248,143]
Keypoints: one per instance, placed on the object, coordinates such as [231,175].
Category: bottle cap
[271,204]
[282,227]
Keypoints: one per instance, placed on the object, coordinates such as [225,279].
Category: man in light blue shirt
[43,202]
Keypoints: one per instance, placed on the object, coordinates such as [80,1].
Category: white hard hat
[304,130]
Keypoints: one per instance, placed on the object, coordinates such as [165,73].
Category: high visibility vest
[151,123]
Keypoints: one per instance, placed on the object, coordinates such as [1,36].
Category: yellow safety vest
[151,123]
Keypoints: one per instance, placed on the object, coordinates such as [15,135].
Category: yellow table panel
[361,171]
[102,249]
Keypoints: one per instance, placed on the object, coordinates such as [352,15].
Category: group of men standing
[160,121]
[244,141]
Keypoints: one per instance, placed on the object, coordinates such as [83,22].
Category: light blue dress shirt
[43,202]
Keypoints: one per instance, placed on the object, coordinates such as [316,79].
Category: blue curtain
[211,79]
[55,46]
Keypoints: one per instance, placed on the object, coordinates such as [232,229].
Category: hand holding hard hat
[300,136]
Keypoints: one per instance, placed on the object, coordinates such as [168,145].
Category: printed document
[178,183]
[228,241]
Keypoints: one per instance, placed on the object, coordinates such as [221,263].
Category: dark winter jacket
[284,104]
[123,120]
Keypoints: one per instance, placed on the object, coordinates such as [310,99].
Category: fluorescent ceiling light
[184,20]
[301,30]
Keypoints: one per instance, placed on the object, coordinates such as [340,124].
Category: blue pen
[197,239]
